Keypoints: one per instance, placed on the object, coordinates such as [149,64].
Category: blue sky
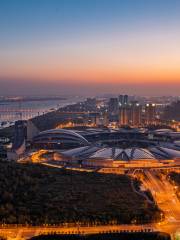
[19,19]
[76,28]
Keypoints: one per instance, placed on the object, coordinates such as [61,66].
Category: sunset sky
[90,46]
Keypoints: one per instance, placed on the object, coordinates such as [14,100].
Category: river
[23,110]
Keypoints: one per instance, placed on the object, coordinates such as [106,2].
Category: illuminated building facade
[136,114]
[150,114]
[130,114]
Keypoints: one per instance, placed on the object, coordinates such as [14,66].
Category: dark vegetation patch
[175,180]
[35,194]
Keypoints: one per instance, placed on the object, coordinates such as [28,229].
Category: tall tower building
[126,99]
[105,118]
[123,99]
[124,115]
[150,113]
[113,106]
[120,98]
[136,114]
[130,114]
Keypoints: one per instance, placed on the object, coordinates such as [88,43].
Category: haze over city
[90,47]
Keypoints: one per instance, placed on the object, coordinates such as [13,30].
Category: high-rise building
[172,112]
[150,113]
[130,114]
[123,99]
[105,119]
[120,98]
[126,99]
[93,118]
[124,115]
[113,107]
[136,114]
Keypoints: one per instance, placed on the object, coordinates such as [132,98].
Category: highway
[23,233]
[164,194]
[166,199]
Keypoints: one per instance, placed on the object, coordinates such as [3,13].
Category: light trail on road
[166,199]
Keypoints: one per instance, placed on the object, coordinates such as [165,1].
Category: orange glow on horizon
[125,75]
[139,58]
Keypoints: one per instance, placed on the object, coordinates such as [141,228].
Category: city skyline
[89,119]
[90,47]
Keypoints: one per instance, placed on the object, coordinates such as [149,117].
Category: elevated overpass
[166,169]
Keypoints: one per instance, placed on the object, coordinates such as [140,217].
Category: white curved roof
[103,153]
[165,152]
[62,131]
[177,143]
[139,153]
[75,152]
[163,130]
[115,153]
[123,154]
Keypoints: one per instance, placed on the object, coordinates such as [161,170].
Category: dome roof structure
[123,154]
[59,139]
